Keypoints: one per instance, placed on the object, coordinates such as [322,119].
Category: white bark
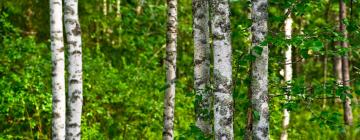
[288,75]
[104,7]
[118,2]
[171,39]
[223,101]
[259,71]
[58,66]
[75,98]
[202,65]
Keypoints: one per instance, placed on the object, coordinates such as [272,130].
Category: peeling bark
[202,65]
[58,66]
[223,101]
[170,61]
[288,76]
[259,81]
[75,97]
[348,117]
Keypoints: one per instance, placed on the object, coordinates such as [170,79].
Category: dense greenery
[124,72]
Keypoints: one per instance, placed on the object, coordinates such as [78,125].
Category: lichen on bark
[202,65]
[259,70]
[223,101]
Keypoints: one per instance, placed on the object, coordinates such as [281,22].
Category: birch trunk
[223,101]
[75,98]
[202,65]
[288,75]
[348,117]
[104,7]
[118,2]
[171,39]
[259,81]
[58,65]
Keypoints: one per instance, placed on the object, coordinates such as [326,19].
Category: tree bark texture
[202,65]
[288,76]
[170,61]
[58,66]
[223,101]
[348,117]
[75,97]
[259,81]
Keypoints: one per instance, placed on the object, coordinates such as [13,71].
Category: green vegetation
[124,70]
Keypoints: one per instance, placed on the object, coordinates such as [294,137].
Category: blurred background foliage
[124,72]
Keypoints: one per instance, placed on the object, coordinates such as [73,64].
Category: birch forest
[180,69]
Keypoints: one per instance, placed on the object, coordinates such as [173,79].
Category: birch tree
[58,65]
[170,61]
[75,98]
[104,7]
[223,101]
[288,75]
[348,117]
[118,2]
[202,65]
[259,70]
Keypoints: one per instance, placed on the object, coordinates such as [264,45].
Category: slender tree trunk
[118,13]
[348,117]
[104,7]
[110,6]
[223,101]
[259,81]
[171,39]
[299,60]
[202,65]
[249,118]
[249,114]
[118,16]
[139,7]
[325,75]
[338,67]
[75,98]
[58,65]
[288,76]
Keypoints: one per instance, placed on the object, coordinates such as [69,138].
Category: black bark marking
[74,81]
[55,100]
[77,30]
[56,115]
[61,49]
[76,52]
[74,43]
[72,125]
[76,95]
[69,10]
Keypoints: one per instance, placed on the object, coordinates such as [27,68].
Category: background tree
[287,73]
[348,117]
[170,60]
